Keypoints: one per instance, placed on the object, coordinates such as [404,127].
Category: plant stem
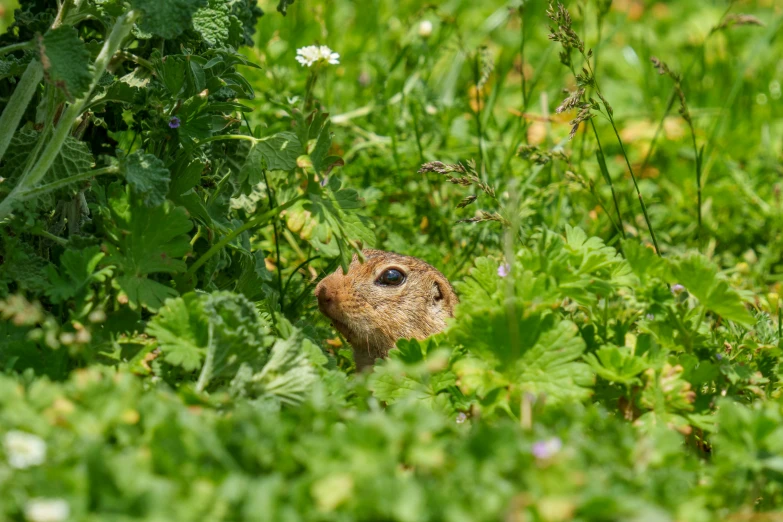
[522,56]
[477,112]
[272,201]
[60,183]
[16,47]
[636,186]
[31,177]
[625,155]
[697,157]
[247,226]
[206,370]
[18,103]
[301,265]
[609,179]
[48,235]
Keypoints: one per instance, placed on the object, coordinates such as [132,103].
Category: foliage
[173,184]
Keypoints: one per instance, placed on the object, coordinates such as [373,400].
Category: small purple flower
[461,418]
[324,181]
[174,122]
[650,317]
[719,356]
[504,269]
[677,288]
[546,449]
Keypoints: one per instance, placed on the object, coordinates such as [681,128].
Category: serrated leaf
[145,241]
[280,151]
[78,269]
[222,327]
[148,177]
[171,72]
[66,62]
[167,19]
[214,24]
[145,292]
[288,373]
[616,365]
[74,158]
[181,328]
[552,367]
[21,266]
[702,280]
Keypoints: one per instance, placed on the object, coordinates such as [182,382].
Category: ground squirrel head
[388,297]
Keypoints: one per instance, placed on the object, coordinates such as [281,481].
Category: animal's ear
[442,294]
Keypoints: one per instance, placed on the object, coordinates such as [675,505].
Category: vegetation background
[601,180]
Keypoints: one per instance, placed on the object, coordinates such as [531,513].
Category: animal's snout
[327,296]
[324,294]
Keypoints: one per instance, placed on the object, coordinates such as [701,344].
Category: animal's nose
[324,295]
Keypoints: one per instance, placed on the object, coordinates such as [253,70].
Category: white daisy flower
[47,510]
[313,54]
[425,28]
[24,450]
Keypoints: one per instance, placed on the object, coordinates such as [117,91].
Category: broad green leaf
[288,373]
[74,158]
[642,260]
[147,176]
[171,72]
[21,266]
[145,241]
[167,19]
[78,269]
[142,291]
[280,151]
[616,364]
[222,330]
[552,367]
[66,62]
[702,280]
[214,23]
[181,328]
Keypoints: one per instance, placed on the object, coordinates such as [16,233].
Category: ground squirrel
[388,297]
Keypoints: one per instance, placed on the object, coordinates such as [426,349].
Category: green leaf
[222,330]
[21,266]
[145,241]
[74,158]
[148,177]
[702,280]
[185,176]
[280,150]
[78,269]
[551,366]
[288,373]
[216,25]
[171,72]
[145,292]
[167,19]
[617,365]
[66,62]
[181,328]
[642,260]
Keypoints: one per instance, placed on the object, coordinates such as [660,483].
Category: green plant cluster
[173,183]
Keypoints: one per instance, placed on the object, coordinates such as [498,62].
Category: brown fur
[373,317]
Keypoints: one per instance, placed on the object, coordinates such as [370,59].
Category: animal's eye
[391,277]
